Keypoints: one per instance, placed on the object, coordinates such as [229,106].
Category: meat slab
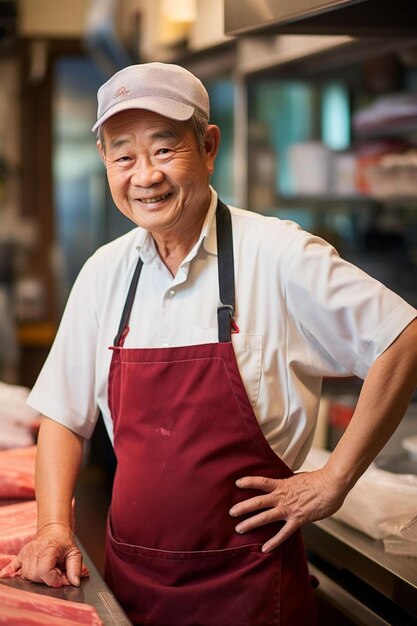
[17,473]
[24,608]
[17,525]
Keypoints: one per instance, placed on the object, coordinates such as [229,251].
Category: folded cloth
[392,109]
[18,421]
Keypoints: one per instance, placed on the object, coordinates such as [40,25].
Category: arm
[310,496]
[53,557]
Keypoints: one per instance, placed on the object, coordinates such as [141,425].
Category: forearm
[58,462]
[384,398]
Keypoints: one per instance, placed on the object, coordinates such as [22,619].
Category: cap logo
[122,91]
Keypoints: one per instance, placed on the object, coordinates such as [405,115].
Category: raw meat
[17,473]
[17,525]
[5,560]
[24,608]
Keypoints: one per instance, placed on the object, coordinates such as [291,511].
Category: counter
[93,591]
[359,579]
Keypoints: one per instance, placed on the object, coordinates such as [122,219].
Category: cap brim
[164,106]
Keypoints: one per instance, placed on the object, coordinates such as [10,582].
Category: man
[225,324]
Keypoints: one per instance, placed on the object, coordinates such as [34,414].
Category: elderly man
[221,324]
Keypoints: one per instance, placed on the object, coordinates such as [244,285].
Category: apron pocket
[231,587]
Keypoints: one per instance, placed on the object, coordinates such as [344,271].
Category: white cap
[170,90]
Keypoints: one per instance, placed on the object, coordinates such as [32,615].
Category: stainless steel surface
[346,602]
[93,591]
[335,17]
[394,576]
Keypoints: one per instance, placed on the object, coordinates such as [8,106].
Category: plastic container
[310,167]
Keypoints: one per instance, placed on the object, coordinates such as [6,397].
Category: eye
[123,159]
[163,152]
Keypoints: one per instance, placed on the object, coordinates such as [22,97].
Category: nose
[146,173]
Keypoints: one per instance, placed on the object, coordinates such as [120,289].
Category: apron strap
[124,321]
[225,262]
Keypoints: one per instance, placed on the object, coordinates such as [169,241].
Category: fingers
[257,482]
[271,512]
[53,578]
[293,501]
[261,483]
[56,569]
[12,568]
[44,568]
[36,564]
[286,531]
[48,561]
[73,563]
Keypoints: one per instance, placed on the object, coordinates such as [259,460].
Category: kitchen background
[318,126]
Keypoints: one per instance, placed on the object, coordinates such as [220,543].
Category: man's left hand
[303,498]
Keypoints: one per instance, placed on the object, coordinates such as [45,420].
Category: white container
[344,173]
[310,167]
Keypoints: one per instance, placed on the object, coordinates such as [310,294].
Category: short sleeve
[65,388]
[342,312]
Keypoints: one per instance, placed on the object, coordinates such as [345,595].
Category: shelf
[388,130]
[335,201]
[394,576]
[325,200]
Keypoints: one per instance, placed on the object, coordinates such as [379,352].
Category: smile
[155,199]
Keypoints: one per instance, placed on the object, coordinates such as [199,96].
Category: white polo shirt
[303,313]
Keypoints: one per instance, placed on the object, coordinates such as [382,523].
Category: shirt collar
[147,249]
[209,227]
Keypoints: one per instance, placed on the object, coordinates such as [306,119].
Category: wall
[52,18]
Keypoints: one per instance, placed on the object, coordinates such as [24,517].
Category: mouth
[154,199]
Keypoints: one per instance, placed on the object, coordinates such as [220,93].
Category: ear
[101,151]
[211,145]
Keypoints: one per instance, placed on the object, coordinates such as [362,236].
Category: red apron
[184,431]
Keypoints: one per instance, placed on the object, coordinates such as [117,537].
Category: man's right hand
[52,557]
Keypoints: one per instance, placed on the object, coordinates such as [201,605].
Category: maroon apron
[184,432]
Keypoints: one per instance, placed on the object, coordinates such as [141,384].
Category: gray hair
[198,124]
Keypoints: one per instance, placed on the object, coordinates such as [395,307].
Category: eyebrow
[164,134]
[158,134]
[117,143]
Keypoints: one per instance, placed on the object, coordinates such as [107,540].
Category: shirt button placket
[168,296]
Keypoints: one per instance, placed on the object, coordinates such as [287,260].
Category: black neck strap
[127,309]
[226,268]
[225,262]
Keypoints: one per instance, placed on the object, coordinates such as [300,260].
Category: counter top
[93,591]
[394,576]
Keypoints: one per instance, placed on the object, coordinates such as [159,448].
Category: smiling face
[158,176]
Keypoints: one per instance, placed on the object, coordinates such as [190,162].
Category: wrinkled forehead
[146,124]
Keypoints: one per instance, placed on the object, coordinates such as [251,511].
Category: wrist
[58,523]
[338,478]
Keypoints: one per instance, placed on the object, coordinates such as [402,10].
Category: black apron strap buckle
[225,313]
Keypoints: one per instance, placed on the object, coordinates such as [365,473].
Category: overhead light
[180,10]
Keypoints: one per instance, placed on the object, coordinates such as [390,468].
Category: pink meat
[5,559]
[17,526]
[17,473]
[24,608]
